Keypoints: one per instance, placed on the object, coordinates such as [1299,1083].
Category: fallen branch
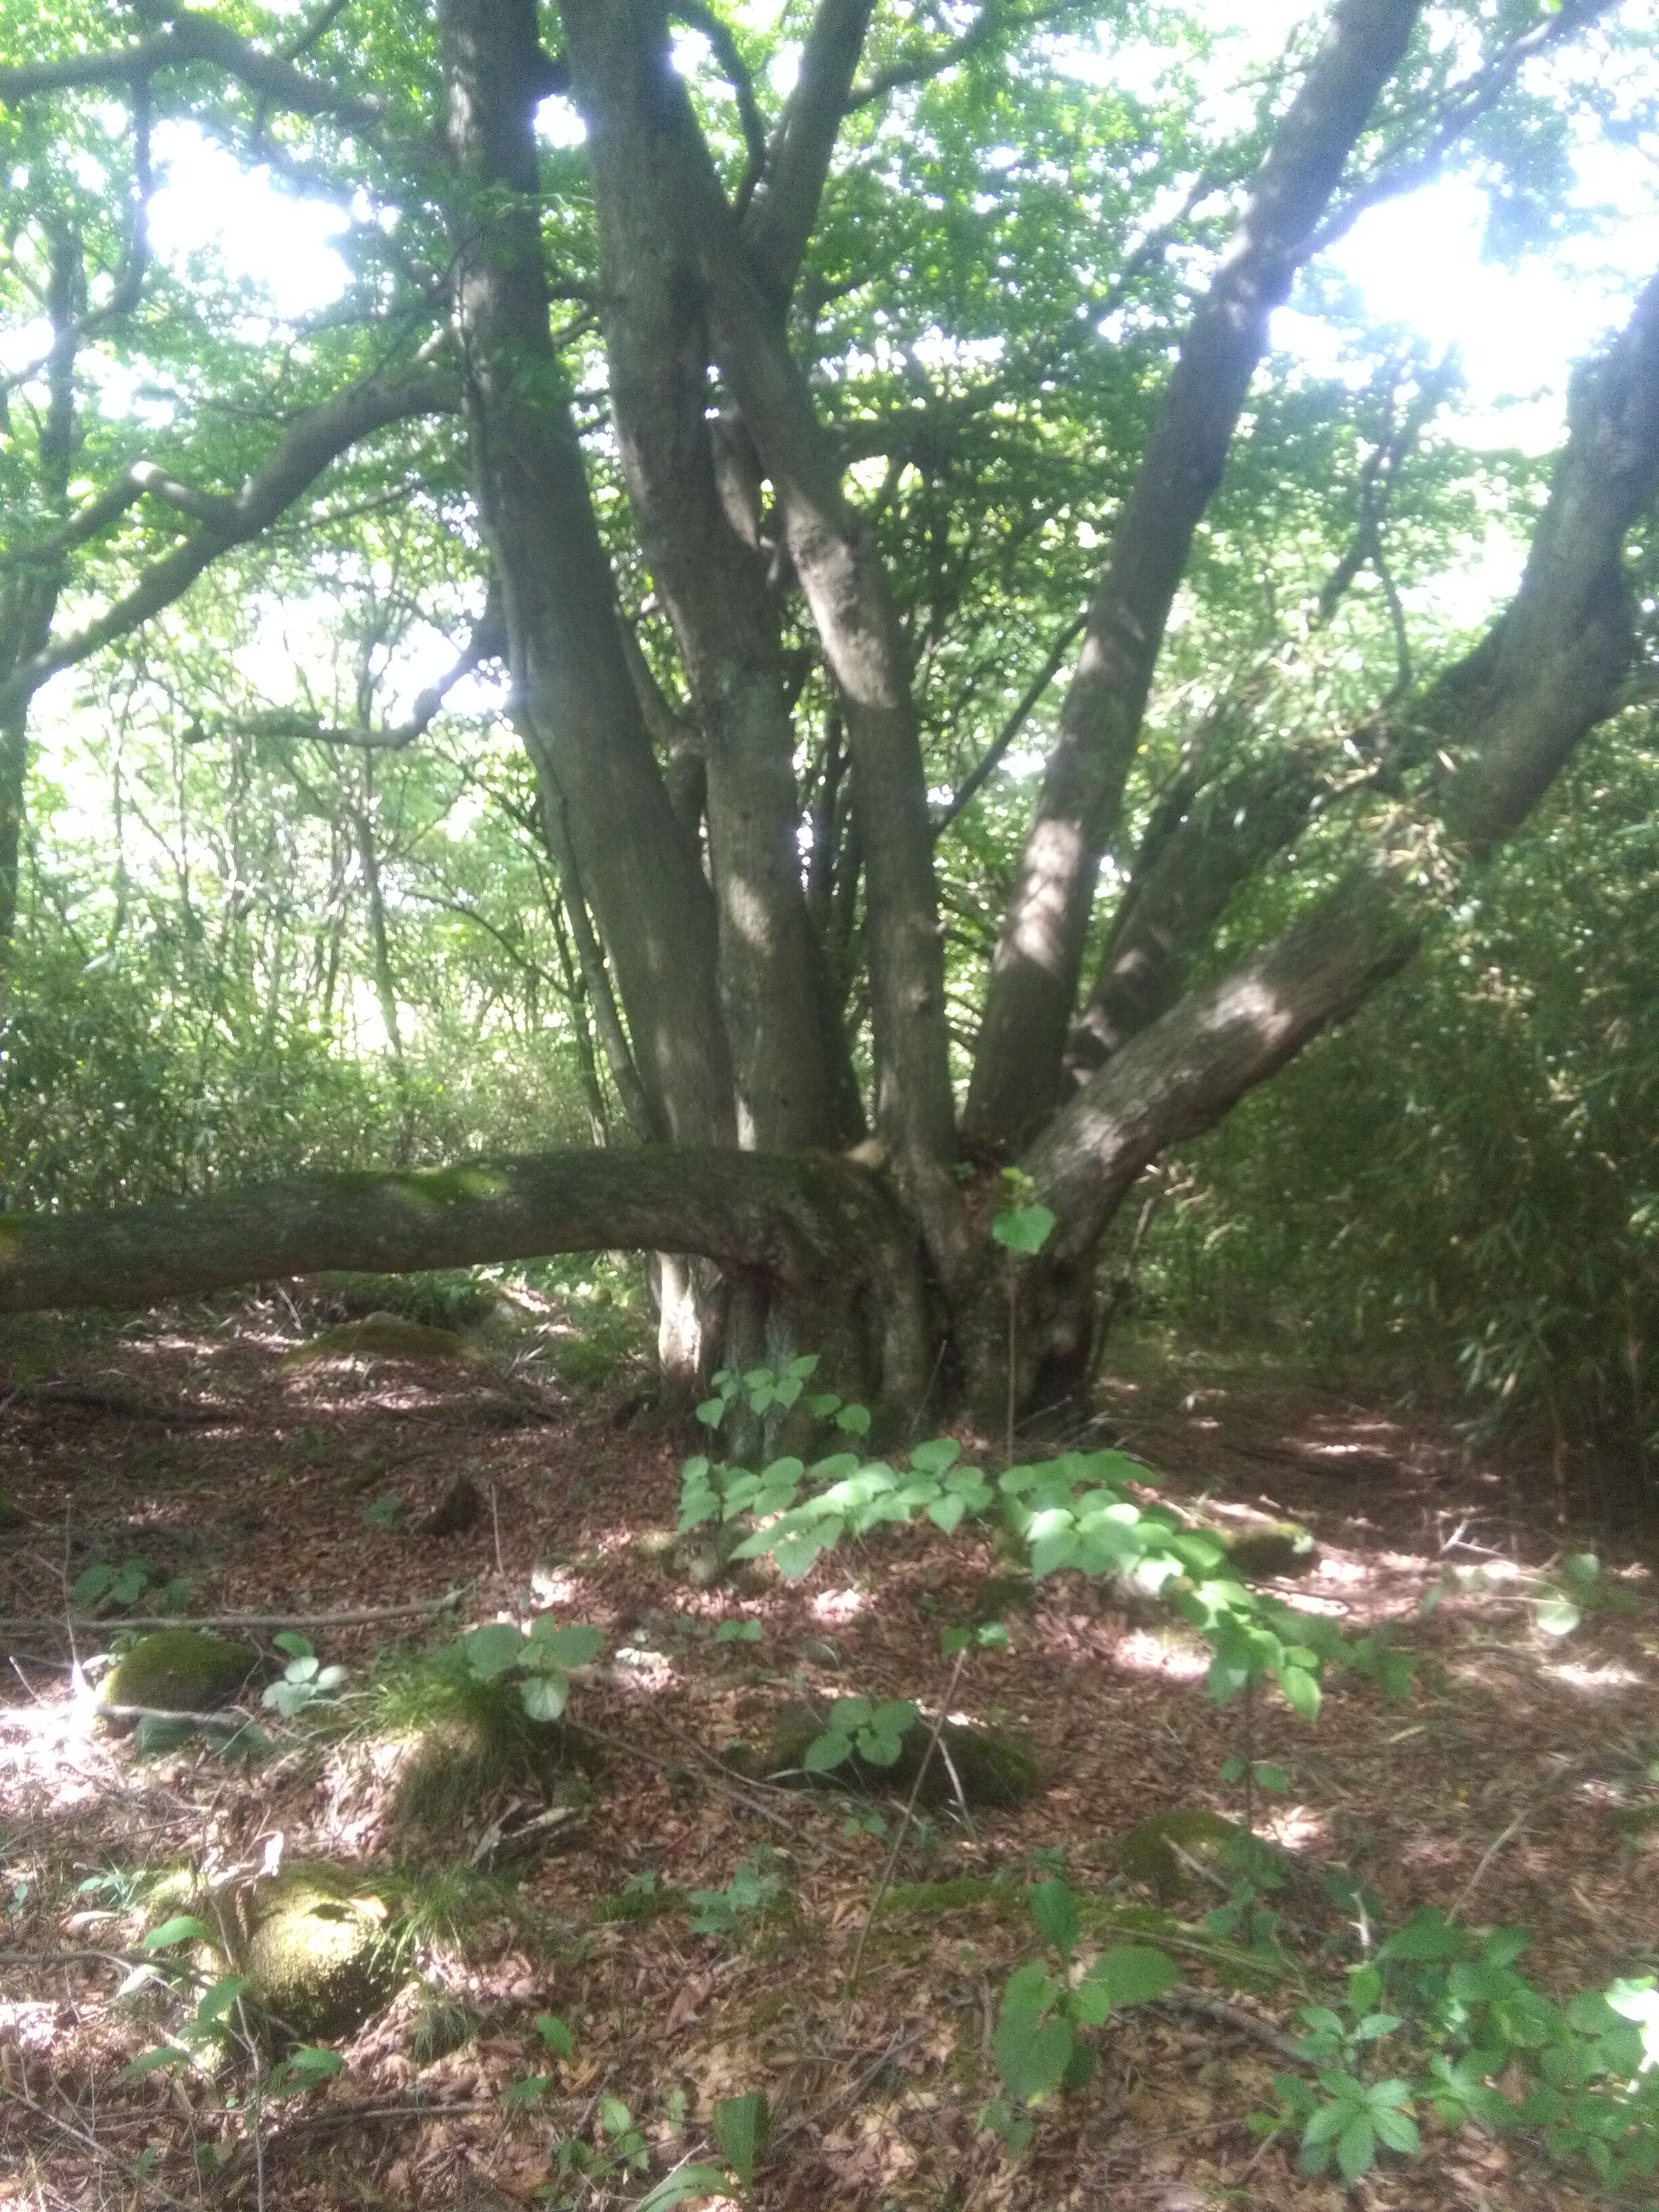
[352,1618]
[1232,2016]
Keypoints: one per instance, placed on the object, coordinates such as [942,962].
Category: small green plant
[306,1681]
[760,1390]
[740,2127]
[557,2037]
[746,1896]
[1587,2072]
[386,1513]
[620,2148]
[539,1664]
[875,1732]
[125,1584]
[1040,2045]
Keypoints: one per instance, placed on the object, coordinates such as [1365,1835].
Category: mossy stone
[1155,1852]
[475,1741]
[993,1766]
[181,1670]
[317,1961]
[383,1336]
[1280,1548]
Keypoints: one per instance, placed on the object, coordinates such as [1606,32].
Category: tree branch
[1033,981]
[310,443]
[974,781]
[780,213]
[1555,665]
[191,38]
[1398,173]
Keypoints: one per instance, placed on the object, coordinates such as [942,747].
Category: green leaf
[854,1420]
[740,2125]
[149,2061]
[544,1697]
[528,2089]
[1558,1615]
[952,1640]
[795,1555]
[737,1631]
[711,1412]
[800,1368]
[490,1650]
[185,1928]
[89,1586]
[216,2002]
[1032,2056]
[1023,1228]
[935,1456]
[683,2185]
[574,1645]
[615,2119]
[1269,1777]
[1133,1973]
[947,1512]
[826,1751]
[879,1750]
[1397,2129]
[303,2070]
[822,1405]
[1301,1691]
[1054,1911]
[1356,2146]
[555,2033]
[288,1640]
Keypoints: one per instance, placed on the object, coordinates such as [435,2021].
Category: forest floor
[1511,1784]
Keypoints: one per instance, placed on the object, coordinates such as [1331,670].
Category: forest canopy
[785,648]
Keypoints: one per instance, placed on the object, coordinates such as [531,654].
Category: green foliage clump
[1462,1182]
[183,1670]
[437,1298]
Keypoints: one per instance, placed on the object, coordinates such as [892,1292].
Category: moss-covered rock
[463,1744]
[1276,1549]
[1163,1852]
[383,1336]
[318,1960]
[181,1670]
[993,1766]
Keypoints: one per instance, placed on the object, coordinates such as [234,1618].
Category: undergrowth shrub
[1466,1178]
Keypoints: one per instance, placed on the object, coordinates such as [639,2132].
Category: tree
[734,578]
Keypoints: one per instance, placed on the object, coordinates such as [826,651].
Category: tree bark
[794,1077]
[827,1250]
[576,701]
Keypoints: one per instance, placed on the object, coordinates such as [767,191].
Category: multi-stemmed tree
[736,380]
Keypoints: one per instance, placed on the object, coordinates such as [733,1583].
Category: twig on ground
[735,1786]
[1232,2016]
[351,1617]
[101,2151]
[904,1822]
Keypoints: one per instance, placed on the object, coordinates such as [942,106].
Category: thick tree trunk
[701,536]
[576,702]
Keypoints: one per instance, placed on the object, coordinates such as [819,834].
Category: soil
[1505,1785]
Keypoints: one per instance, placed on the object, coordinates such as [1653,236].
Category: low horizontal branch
[791,1218]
